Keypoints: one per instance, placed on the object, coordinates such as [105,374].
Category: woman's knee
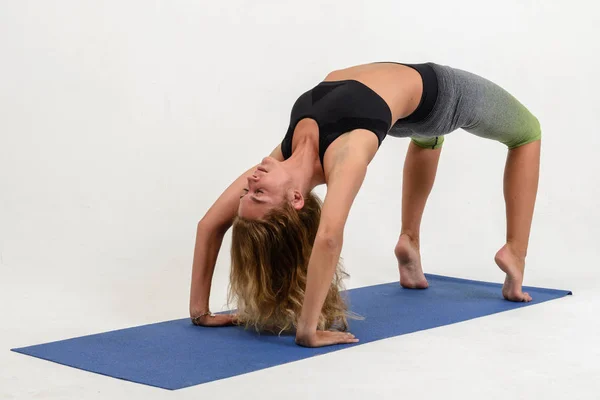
[428,142]
[532,133]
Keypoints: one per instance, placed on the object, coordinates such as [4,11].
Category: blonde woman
[286,245]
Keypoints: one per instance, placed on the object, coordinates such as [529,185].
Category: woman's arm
[344,181]
[209,237]
[208,244]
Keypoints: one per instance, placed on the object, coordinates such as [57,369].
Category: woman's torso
[400,86]
[385,91]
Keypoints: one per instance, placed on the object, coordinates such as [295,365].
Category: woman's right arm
[209,237]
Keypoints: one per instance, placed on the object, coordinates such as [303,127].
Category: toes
[517,296]
[524,297]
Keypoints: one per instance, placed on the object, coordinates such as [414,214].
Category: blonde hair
[269,268]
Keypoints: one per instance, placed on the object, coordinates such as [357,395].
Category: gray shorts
[474,104]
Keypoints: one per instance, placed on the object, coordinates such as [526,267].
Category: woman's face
[266,188]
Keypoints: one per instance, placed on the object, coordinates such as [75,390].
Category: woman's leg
[420,169]
[489,111]
[521,176]
[482,108]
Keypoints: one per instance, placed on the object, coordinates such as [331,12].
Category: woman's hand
[214,320]
[324,338]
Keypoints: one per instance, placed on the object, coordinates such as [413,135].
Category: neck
[304,166]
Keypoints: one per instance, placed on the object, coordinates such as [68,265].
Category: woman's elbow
[329,240]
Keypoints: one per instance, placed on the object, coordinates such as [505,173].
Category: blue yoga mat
[176,354]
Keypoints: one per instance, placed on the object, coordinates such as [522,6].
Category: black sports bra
[342,106]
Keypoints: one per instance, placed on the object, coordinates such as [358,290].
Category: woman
[285,251]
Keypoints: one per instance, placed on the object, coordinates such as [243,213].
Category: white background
[122,121]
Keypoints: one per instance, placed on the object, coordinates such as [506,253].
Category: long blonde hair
[269,267]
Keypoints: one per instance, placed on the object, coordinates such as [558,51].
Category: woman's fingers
[328,338]
[215,320]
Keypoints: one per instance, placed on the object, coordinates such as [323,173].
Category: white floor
[547,351]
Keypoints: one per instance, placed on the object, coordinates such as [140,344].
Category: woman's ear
[297,200]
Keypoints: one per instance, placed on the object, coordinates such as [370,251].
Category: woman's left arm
[344,181]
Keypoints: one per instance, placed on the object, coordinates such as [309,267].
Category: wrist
[305,329]
[306,338]
[198,318]
[196,311]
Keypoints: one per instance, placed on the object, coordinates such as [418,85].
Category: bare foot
[409,264]
[514,267]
